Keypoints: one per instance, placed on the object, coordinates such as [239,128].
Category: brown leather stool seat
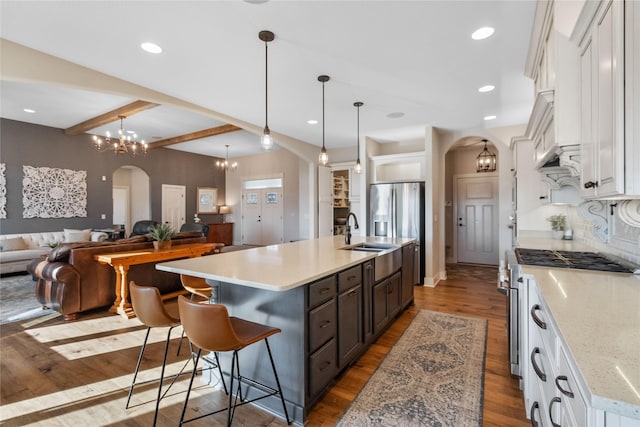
[196,285]
[210,328]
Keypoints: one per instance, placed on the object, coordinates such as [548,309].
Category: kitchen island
[330,302]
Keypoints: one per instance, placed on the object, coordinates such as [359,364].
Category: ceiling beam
[219,130]
[109,117]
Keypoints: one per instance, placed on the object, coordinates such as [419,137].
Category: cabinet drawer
[349,278]
[568,390]
[322,324]
[322,290]
[322,367]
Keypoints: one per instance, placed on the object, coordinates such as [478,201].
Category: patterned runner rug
[433,376]
[18,299]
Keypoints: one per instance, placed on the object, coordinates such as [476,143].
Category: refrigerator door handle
[393,213]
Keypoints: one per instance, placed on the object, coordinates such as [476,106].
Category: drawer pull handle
[539,372]
[535,406]
[554,400]
[368,266]
[562,390]
[324,290]
[539,322]
[350,278]
[325,324]
[353,292]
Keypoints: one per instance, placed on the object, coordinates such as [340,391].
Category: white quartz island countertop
[597,315]
[280,267]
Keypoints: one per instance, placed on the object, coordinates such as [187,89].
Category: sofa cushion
[12,244]
[71,235]
[23,255]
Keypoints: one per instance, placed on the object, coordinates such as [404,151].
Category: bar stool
[209,327]
[153,313]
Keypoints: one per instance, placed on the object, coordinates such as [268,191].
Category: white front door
[262,216]
[173,205]
[477,219]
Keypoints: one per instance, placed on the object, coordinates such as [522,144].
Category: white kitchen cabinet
[553,389]
[607,33]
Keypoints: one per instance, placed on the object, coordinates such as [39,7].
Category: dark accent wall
[41,146]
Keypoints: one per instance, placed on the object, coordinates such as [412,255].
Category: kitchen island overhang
[277,285]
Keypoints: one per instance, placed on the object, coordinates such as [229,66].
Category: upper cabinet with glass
[607,33]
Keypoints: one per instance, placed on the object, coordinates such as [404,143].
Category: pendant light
[266,140]
[486,160]
[358,168]
[323,157]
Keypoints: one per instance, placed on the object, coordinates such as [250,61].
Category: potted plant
[161,234]
[558,225]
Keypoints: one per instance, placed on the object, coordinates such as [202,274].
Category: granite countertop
[597,315]
[280,267]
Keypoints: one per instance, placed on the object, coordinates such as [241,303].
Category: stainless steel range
[511,284]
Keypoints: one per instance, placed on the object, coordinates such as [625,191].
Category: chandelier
[225,165]
[486,160]
[126,142]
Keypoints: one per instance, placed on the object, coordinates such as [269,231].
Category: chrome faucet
[347,235]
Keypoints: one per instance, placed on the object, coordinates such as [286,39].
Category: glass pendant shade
[266,141]
[357,168]
[323,157]
[486,160]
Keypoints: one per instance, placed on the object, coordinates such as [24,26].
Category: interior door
[121,209]
[173,205]
[477,219]
[251,217]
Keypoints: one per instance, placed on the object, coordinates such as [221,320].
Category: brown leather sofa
[71,281]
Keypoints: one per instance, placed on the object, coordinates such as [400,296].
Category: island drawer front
[349,278]
[322,324]
[322,290]
[322,368]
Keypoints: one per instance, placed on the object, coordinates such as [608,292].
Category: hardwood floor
[78,373]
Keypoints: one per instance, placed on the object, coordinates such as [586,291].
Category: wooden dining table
[121,261]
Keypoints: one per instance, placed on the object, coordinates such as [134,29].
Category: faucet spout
[347,234]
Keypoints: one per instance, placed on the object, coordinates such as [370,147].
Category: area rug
[18,299]
[433,376]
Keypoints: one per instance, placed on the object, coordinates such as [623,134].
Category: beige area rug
[18,299]
[433,376]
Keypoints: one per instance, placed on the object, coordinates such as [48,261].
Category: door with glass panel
[262,212]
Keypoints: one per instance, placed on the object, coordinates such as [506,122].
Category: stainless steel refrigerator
[397,210]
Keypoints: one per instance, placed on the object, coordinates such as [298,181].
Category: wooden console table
[121,261]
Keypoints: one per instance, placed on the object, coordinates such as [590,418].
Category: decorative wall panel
[3,191]
[53,193]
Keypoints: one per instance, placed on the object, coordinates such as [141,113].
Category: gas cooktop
[569,259]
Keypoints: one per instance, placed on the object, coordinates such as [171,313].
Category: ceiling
[412,59]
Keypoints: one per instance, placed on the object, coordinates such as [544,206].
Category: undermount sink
[370,247]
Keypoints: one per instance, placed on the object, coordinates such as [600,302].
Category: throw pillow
[71,235]
[12,244]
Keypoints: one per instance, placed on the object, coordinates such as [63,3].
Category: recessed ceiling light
[482,33]
[312,122]
[151,47]
[29,110]
[489,117]
[486,88]
[395,115]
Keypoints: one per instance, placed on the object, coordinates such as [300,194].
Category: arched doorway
[131,196]
[471,207]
